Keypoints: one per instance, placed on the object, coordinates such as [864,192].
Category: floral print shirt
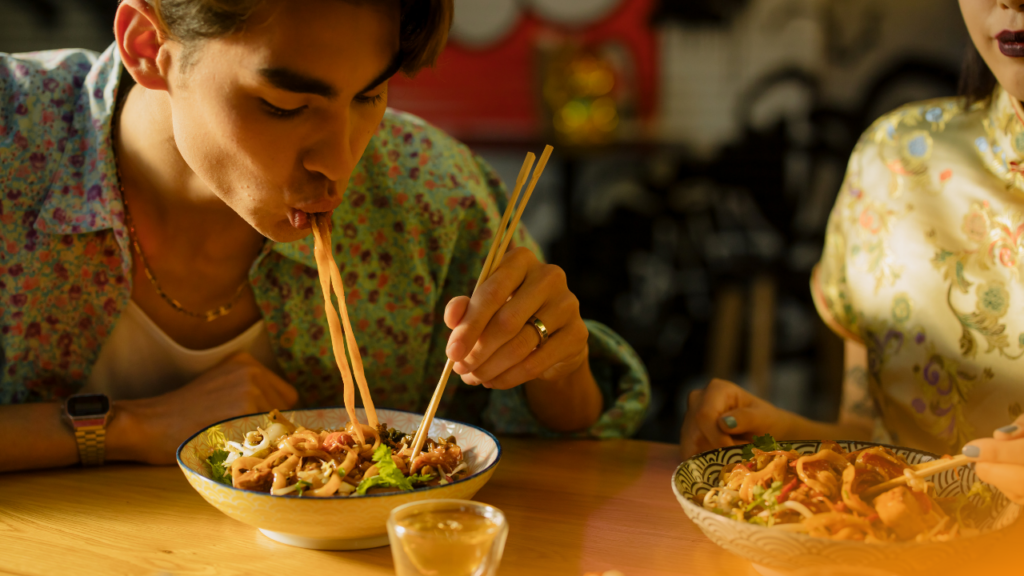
[411,234]
[923,262]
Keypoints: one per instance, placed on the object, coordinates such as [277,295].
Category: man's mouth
[301,215]
[1011,43]
[301,220]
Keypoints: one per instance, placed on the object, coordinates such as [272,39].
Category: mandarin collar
[1002,146]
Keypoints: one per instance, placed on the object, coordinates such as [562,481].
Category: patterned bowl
[775,549]
[337,522]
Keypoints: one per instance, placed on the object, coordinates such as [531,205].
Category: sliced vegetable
[219,471]
[388,474]
[764,443]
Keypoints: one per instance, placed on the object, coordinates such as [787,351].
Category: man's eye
[280,112]
[371,100]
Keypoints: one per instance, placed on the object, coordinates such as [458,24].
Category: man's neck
[168,202]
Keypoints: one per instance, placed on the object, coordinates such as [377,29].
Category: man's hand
[492,341]
[151,429]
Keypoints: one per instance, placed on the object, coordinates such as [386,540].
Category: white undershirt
[140,360]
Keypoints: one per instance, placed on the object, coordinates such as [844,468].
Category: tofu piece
[901,512]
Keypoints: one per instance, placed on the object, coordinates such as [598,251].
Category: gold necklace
[209,315]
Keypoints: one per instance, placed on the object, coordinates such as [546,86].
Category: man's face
[275,118]
[997,30]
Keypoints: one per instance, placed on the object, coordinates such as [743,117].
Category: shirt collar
[84,195]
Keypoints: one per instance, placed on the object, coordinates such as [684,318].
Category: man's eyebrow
[392,68]
[292,81]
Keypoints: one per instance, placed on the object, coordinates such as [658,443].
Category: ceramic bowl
[771,549]
[337,522]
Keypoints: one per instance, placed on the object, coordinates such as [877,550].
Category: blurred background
[699,146]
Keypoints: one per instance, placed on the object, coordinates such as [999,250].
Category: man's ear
[143,44]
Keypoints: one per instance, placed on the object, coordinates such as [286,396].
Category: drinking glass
[446,538]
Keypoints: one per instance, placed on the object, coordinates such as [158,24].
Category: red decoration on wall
[494,94]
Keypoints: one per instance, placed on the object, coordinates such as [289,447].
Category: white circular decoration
[571,12]
[481,23]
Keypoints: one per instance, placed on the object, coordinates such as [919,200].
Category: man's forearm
[570,405]
[35,436]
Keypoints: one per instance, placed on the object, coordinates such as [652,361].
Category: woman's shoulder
[918,126]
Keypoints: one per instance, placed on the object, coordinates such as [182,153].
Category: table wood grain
[572,507]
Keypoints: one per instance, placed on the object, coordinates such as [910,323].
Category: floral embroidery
[875,222]
[945,387]
[993,301]
[931,285]
[901,309]
[410,236]
[1007,242]
[977,223]
[906,153]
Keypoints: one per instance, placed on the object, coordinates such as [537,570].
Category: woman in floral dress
[922,275]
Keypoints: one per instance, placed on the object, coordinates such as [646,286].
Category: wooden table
[572,507]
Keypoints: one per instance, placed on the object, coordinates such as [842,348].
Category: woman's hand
[723,414]
[151,429]
[999,460]
[492,341]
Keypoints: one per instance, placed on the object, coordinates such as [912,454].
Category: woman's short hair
[976,79]
[423,29]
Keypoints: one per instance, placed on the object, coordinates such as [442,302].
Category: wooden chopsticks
[918,471]
[497,251]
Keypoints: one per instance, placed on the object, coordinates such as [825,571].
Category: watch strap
[92,440]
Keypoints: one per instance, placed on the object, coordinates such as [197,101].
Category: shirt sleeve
[618,370]
[829,288]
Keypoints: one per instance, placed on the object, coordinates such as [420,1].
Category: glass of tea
[446,538]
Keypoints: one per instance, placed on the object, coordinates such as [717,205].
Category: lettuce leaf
[764,443]
[218,470]
[389,476]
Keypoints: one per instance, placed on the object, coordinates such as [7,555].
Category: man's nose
[331,153]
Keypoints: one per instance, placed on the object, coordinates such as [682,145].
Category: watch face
[88,405]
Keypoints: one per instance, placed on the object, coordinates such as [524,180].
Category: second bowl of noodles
[776,546]
[340,521]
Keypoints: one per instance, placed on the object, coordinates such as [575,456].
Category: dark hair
[423,29]
[976,79]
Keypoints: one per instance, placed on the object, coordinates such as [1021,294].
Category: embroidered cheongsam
[923,264]
[411,234]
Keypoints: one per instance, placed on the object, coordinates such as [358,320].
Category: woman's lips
[1011,43]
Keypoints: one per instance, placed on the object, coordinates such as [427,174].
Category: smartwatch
[88,415]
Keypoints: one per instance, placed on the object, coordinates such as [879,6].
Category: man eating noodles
[156,266]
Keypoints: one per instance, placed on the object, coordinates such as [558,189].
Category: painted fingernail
[971,451]
[729,421]
[1008,429]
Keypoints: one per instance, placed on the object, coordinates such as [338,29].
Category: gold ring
[542,330]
